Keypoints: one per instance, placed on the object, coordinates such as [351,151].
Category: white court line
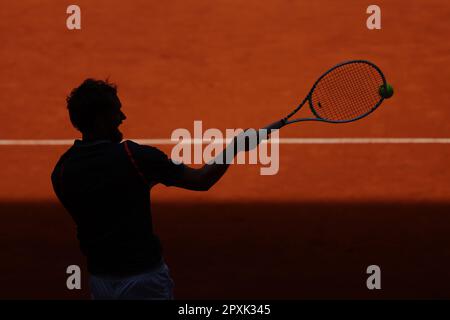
[68,142]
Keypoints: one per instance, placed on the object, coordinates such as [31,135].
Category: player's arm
[204,178]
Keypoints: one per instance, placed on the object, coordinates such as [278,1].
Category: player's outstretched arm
[204,178]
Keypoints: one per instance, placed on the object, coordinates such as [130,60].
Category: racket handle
[276,125]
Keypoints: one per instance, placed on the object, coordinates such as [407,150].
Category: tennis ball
[386,91]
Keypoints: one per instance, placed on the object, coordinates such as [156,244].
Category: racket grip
[276,125]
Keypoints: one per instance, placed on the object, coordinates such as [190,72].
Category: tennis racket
[347,92]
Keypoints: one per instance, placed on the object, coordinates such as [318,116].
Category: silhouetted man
[104,184]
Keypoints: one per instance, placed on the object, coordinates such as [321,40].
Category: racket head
[347,92]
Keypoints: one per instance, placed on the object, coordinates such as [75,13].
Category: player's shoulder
[62,159]
[143,150]
[138,146]
[66,155]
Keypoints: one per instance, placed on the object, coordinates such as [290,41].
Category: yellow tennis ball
[386,91]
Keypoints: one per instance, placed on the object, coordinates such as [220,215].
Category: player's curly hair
[91,98]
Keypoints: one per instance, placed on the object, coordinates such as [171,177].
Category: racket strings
[348,92]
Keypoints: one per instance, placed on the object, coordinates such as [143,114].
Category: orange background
[308,232]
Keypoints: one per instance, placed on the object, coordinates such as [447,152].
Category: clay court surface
[308,232]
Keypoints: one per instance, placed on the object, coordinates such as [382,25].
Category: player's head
[95,110]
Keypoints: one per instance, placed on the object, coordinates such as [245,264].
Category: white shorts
[155,284]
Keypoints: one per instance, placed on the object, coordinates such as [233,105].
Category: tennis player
[104,184]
